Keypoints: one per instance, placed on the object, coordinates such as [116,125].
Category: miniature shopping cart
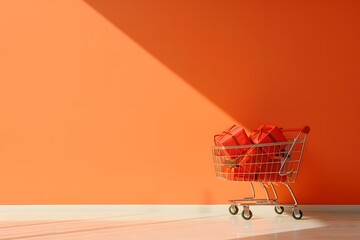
[266,163]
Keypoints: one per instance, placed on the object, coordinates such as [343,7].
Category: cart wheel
[279,209]
[246,216]
[233,209]
[297,216]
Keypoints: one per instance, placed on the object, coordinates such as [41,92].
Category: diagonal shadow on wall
[218,51]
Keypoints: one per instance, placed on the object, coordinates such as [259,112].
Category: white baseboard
[121,207]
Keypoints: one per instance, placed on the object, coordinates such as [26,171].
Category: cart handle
[304,130]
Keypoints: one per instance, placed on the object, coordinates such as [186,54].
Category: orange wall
[117,101]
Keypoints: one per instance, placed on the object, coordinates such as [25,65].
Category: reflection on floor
[173,222]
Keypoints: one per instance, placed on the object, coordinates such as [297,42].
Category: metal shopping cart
[266,163]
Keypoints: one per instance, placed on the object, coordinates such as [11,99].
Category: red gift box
[268,134]
[270,172]
[234,136]
[254,159]
[237,173]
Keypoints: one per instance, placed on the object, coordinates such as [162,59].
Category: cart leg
[274,191]
[297,213]
[267,194]
[292,194]
[252,190]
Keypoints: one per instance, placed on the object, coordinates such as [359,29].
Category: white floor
[174,222]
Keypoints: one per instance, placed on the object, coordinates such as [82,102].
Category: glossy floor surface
[175,222]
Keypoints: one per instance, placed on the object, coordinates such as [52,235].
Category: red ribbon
[265,130]
[228,132]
